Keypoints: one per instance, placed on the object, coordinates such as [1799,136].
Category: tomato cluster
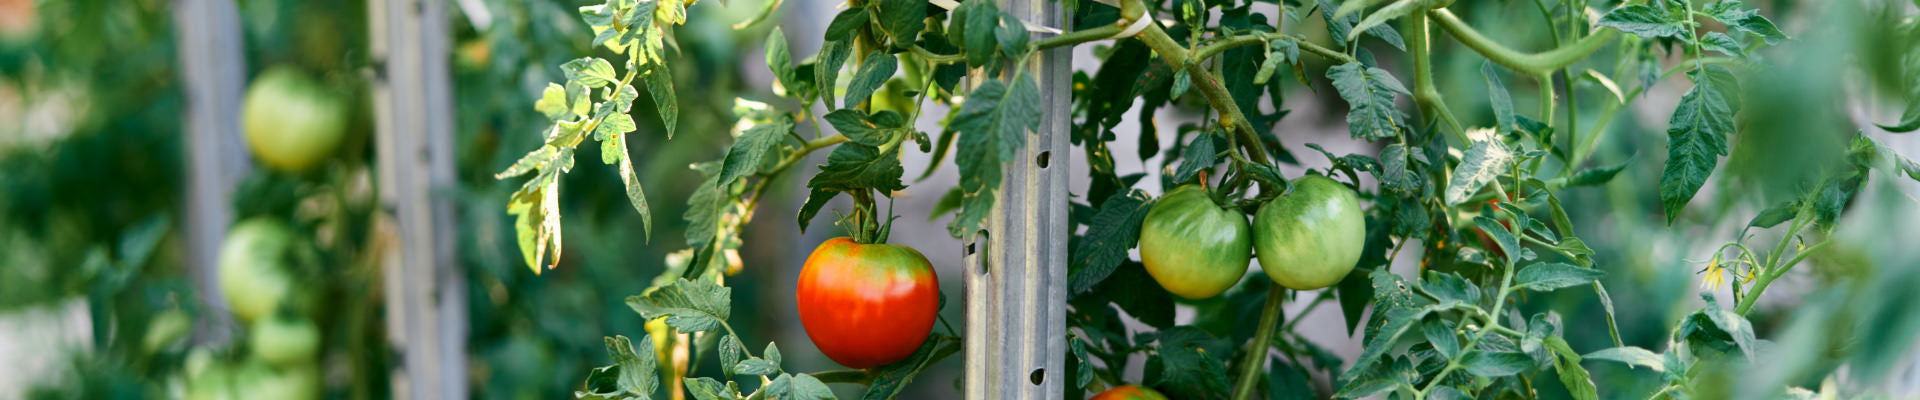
[1308,238]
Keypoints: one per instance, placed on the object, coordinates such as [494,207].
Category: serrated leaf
[846,23]
[1721,42]
[890,380]
[1363,389]
[993,125]
[1448,286]
[1393,11]
[593,72]
[1369,93]
[780,59]
[982,19]
[1632,356]
[553,103]
[1398,321]
[1696,137]
[690,305]
[630,376]
[856,126]
[1495,364]
[855,166]
[1643,21]
[818,198]
[1597,176]
[1484,161]
[1199,155]
[1566,363]
[660,85]
[610,127]
[635,194]
[704,388]
[1110,234]
[826,68]
[730,351]
[1501,237]
[1442,337]
[807,387]
[1775,215]
[1553,276]
[756,366]
[1187,366]
[1502,101]
[874,71]
[749,150]
[1182,82]
[1742,19]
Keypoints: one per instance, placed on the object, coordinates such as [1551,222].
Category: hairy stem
[1256,360]
[1527,63]
[1209,86]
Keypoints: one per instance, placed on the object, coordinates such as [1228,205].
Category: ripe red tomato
[867,305]
[1129,392]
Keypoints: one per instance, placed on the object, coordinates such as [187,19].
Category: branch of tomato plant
[1208,84]
[1424,92]
[1775,268]
[1533,64]
[1217,46]
[1493,324]
[1256,360]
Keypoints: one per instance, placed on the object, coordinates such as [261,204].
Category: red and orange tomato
[867,305]
[1129,392]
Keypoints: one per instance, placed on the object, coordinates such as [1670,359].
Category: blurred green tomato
[253,271]
[285,340]
[166,329]
[292,122]
[257,380]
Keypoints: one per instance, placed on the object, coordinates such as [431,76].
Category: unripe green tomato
[292,122]
[1311,237]
[215,382]
[1192,246]
[257,380]
[253,274]
[285,340]
[1129,392]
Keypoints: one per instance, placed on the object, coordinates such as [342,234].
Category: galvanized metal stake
[1016,279]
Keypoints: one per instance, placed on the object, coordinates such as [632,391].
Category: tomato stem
[1255,363]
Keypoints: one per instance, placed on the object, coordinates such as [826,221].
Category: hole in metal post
[1042,159]
[979,238]
[1038,375]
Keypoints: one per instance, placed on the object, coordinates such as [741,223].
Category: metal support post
[425,290]
[1016,279]
[214,72]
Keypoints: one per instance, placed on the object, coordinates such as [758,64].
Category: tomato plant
[1473,320]
[867,305]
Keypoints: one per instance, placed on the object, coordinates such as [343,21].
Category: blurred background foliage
[92,166]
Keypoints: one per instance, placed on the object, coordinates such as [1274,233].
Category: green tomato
[166,329]
[215,382]
[253,274]
[291,122]
[257,380]
[285,340]
[1192,246]
[1311,237]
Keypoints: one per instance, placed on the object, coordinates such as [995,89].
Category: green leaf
[780,59]
[1369,93]
[1909,121]
[1606,82]
[1644,21]
[553,103]
[1697,137]
[890,380]
[1484,161]
[982,19]
[856,126]
[1182,82]
[1741,19]
[756,366]
[730,351]
[1548,276]
[818,198]
[807,387]
[1732,323]
[854,166]
[1110,234]
[593,72]
[635,194]
[749,150]
[1363,389]
[1187,367]
[1448,393]
[826,67]
[1502,101]
[622,99]
[874,71]
[1632,356]
[1399,169]
[1597,176]
[1012,35]
[847,23]
[1379,17]
[1448,286]
[993,125]
[660,85]
[1501,237]
[704,388]
[689,305]
[1442,337]
[1720,42]
[630,376]
[772,353]
[903,20]
[1578,383]
[1398,322]
[1199,155]
[611,127]
[1495,364]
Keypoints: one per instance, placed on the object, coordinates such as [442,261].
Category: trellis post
[213,72]
[426,293]
[1016,276]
